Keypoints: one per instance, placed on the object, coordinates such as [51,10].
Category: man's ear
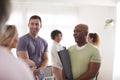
[86,33]
[28,24]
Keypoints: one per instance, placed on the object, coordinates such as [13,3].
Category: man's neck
[81,44]
[33,35]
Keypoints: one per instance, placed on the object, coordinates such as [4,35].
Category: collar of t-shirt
[59,46]
[79,48]
[56,42]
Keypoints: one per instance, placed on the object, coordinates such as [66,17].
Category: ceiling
[70,2]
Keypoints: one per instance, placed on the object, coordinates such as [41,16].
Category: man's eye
[32,23]
[37,24]
[77,31]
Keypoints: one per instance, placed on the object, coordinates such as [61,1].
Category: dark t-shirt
[34,47]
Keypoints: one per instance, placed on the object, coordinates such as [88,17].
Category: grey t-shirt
[34,47]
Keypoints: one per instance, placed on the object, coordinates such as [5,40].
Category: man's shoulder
[92,46]
[71,47]
[42,39]
[24,37]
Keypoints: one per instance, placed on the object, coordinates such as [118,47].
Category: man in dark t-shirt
[33,49]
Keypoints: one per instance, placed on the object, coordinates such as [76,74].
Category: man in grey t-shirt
[32,48]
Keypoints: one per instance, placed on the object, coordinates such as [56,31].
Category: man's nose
[34,26]
[74,34]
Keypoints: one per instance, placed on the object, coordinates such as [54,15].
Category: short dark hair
[35,17]
[55,33]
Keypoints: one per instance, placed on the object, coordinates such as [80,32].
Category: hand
[36,71]
[36,77]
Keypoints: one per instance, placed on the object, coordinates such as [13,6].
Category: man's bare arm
[43,64]
[44,61]
[24,55]
[92,71]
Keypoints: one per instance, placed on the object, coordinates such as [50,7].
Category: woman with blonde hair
[9,38]
[9,64]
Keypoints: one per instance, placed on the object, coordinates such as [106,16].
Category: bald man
[85,58]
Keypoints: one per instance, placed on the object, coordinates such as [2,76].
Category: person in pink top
[11,68]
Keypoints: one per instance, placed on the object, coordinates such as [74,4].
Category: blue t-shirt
[34,47]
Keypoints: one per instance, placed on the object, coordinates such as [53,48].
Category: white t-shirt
[54,55]
[80,48]
[12,68]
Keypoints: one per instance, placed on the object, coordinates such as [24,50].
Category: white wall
[116,72]
[65,18]
[95,17]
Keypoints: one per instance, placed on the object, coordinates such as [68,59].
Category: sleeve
[46,47]
[55,60]
[53,56]
[96,56]
[22,44]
